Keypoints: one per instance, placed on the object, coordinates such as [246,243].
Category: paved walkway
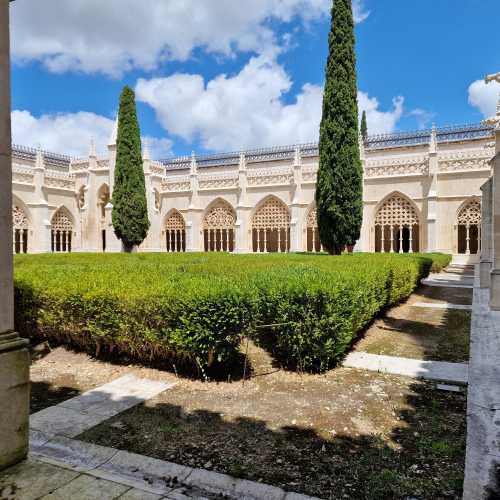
[60,467]
[440,371]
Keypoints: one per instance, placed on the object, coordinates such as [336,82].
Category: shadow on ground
[421,457]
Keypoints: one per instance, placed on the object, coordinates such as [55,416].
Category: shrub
[194,308]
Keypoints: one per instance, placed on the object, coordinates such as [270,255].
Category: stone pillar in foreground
[486,227]
[14,357]
[495,273]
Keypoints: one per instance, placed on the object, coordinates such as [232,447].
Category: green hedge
[195,308]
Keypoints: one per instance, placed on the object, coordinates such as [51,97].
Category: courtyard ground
[344,434]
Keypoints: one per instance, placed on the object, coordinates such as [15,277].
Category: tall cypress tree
[339,186]
[364,127]
[130,213]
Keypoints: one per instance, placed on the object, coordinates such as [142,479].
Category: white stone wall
[438,171]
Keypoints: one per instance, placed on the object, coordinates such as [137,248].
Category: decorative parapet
[176,184]
[309,173]
[270,176]
[51,160]
[466,160]
[156,168]
[22,174]
[423,137]
[415,165]
[60,181]
[223,180]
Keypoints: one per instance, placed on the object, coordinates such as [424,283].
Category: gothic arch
[174,228]
[218,226]
[271,226]
[312,231]
[468,226]
[397,223]
[103,198]
[20,226]
[62,230]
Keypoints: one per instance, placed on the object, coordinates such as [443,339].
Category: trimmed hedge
[195,308]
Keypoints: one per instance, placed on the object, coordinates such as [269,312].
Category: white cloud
[359,11]
[247,110]
[71,133]
[114,36]
[423,117]
[380,122]
[484,97]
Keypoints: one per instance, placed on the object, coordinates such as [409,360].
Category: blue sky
[215,76]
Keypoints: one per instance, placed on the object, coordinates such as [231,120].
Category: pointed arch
[219,226]
[271,226]
[468,223]
[175,231]
[20,226]
[62,230]
[397,224]
[312,230]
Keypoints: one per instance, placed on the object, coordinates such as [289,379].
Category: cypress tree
[364,127]
[339,186]
[130,214]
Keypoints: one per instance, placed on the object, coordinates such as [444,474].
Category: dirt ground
[421,333]
[344,434]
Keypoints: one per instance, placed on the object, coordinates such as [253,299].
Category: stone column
[495,273]
[14,357]
[194,241]
[486,243]
[41,239]
[298,231]
[432,229]
[243,241]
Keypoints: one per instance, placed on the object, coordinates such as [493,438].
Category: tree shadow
[420,457]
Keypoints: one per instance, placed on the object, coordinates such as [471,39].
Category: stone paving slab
[31,480]
[445,283]
[441,371]
[88,488]
[441,305]
[74,416]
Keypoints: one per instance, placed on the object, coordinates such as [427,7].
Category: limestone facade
[422,192]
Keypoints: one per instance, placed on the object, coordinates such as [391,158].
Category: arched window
[271,227]
[175,233]
[218,228]
[20,228]
[103,198]
[313,241]
[469,228]
[397,226]
[62,231]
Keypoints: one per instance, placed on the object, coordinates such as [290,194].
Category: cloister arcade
[271,227]
[469,227]
[397,226]
[175,232]
[61,231]
[20,229]
[219,228]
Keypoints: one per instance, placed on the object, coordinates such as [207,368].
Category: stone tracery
[396,226]
[218,228]
[175,233]
[271,227]
[20,228]
[469,228]
[62,231]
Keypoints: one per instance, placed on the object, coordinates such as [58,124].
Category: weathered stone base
[485,274]
[495,290]
[14,395]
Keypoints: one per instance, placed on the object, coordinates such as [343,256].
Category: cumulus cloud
[114,36]
[247,110]
[380,122]
[71,133]
[484,97]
